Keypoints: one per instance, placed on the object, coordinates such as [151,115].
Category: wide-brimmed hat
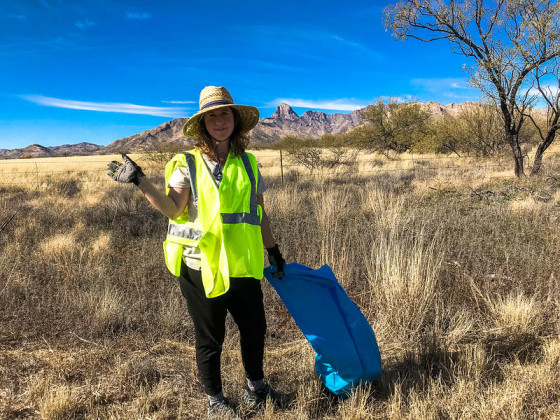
[212,97]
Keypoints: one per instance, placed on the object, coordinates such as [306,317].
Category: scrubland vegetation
[454,262]
[392,127]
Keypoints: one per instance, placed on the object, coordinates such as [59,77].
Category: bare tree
[550,94]
[508,40]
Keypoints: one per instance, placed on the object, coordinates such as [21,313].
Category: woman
[217,228]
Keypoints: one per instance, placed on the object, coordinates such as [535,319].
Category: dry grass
[454,263]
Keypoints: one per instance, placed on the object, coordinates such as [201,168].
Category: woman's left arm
[274,256]
[268,237]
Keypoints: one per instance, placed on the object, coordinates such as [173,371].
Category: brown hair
[238,141]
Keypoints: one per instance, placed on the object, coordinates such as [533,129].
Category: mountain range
[36,150]
[283,122]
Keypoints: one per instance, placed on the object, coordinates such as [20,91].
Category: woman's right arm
[171,205]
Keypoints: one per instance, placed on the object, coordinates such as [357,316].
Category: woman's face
[219,123]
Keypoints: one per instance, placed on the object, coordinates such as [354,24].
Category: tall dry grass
[454,263]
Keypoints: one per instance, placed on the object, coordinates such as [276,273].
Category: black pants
[244,301]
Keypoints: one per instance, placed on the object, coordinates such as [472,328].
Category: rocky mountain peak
[314,116]
[284,111]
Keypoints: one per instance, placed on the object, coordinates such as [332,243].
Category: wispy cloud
[539,99]
[438,84]
[179,102]
[106,106]
[290,35]
[399,98]
[83,24]
[454,89]
[47,3]
[29,46]
[138,15]
[355,45]
[18,16]
[549,90]
[333,105]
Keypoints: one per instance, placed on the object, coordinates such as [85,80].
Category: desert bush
[392,127]
[61,403]
[302,151]
[67,188]
[138,371]
[477,130]
[516,315]
[403,273]
[313,155]
[106,310]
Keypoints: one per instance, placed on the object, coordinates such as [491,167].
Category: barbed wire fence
[418,165]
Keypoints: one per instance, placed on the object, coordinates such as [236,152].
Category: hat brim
[249,118]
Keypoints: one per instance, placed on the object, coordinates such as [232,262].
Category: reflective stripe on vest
[184,231]
[251,218]
[191,166]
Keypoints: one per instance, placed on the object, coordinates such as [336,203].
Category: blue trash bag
[346,349]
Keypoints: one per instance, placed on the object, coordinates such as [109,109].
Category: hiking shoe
[257,399]
[222,410]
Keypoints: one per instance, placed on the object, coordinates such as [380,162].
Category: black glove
[125,172]
[276,261]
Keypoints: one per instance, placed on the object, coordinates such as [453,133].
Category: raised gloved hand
[125,172]
[276,261]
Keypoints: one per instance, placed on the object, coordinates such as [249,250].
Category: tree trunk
[537,163]
[518,158]
[512,138]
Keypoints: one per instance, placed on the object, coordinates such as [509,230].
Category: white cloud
[333,105]
[106,106]
[444,89]
[138,15]
[549,90]
[179,102]
[84,24]
[539,101]
[437,85]
[399,98]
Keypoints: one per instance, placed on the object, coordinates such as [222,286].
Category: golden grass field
[454,262]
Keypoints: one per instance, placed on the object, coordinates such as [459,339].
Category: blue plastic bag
[346,349]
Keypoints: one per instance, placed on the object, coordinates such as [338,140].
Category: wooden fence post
[281,167]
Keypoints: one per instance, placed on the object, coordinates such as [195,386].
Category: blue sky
[97,71]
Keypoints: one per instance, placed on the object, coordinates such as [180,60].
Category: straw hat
[213,97]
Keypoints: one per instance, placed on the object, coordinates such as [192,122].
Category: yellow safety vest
[228,231]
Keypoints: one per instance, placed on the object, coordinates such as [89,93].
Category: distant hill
[283,122]
[169,133]
[36,150]
[453,109]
